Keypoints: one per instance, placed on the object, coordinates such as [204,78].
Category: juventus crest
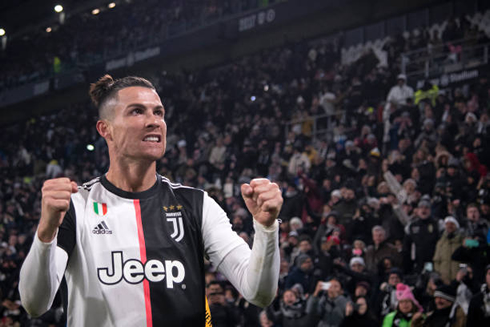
[174,216]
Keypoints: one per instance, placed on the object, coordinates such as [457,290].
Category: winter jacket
[445,248]
[423,234]
[395,318]
[479,311]
[331,312]
[374,255]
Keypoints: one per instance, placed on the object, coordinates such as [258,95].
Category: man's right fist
[56,194]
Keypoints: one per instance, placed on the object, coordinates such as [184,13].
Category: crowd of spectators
[127,27]
[385,218]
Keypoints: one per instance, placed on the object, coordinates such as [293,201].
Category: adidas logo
[101,228]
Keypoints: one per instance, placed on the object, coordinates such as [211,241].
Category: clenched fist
[56,194]
[263,199]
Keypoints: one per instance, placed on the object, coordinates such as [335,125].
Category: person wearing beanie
[301,273]
[356,274]
[406,308]
[422,234]
[447,312]
[479,310]
[448,243]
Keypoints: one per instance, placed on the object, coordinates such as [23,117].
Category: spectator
[328,308]
[450,240]
[474,226]
[423,234]
[386,301]
[406,308]
[358,314]
[379,250]
[447,313]
[301,273]
[479,310]
[292,311]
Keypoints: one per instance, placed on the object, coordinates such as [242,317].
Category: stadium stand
[386,187]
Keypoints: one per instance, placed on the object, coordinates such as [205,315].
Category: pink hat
[403,292]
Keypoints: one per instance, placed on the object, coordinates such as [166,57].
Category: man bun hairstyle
[106,88]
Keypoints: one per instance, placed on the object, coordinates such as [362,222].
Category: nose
[154,121]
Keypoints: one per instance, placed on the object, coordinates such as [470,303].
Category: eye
[159,112]
[137,111]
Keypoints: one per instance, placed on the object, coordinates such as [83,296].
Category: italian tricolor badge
[100,208]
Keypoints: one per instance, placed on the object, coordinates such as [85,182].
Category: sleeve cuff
[272,228]
[45,244]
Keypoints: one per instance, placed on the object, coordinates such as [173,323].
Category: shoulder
[179,188]
[85,189]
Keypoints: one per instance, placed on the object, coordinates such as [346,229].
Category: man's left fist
[263,199]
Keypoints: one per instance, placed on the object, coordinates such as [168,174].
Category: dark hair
[107,87]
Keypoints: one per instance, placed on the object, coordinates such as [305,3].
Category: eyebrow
[143,106]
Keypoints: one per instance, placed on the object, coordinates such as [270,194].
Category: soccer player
[131,244]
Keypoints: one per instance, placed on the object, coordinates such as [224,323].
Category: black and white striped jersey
[136,259]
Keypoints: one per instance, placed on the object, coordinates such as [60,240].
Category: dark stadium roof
[19,15]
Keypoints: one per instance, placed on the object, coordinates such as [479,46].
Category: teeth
[151,139]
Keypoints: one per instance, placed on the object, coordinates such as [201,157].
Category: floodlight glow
[2,32]
[253,98]
[111,5]
[58,8]
[95,11]
[48,29]
[90,147]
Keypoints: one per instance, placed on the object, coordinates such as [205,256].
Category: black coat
[476,312]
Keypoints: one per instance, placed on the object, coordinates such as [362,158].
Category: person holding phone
[358,314]
[327,304]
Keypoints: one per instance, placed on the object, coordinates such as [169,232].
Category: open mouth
[152,138]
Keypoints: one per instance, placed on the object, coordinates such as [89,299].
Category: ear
[104,129]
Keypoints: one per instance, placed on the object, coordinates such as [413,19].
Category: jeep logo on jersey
[175,217]
[134,271]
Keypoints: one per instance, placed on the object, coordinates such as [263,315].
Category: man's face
[442,303]
[304,246]
[473,214]
[378,237]
[394,279]
[450,227]
[424,212]
[307,265]
[214,288]
[335,289]
[357,267]
[349,195]
[289,297]
[137,129]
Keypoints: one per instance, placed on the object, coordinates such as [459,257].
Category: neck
[132,177]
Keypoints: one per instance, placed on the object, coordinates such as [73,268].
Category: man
[329,308]
[301,273]
[422,234]
[379,250]
[222,314]
[130,243]
[446,313]
[448,243]
[475,225]
[479,310]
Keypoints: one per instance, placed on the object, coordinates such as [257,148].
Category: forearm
[41,275]
[255,273]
